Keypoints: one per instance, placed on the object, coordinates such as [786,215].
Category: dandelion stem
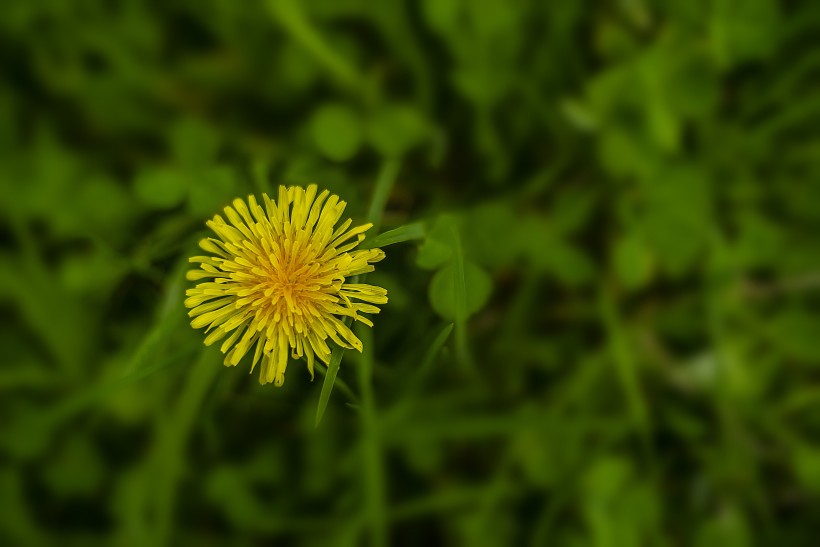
[372,462]
[384,183]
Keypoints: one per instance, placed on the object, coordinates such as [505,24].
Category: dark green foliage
[601,223]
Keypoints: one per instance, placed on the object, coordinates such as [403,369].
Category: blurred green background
[631,189]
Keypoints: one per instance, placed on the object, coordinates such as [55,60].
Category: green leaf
[794,331]
[118,203]
[605,479]
[441,15]
[806,464]
[567,262]
[681,202]
[76,470]
[494,235]
[572,209]
[395,129]
[727,529]
[633,262]
[482,83]
[743,30]
[336,131]
[437,248]
[626,152]
[477,287]
[161,188]
[433,253]
[212,189]
[193,142]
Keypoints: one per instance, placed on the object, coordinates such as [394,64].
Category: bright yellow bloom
[277,278]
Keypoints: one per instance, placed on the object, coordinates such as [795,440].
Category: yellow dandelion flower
[278,278]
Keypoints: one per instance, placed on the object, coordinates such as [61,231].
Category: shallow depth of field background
[632,188]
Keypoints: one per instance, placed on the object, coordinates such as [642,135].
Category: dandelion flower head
[277,280]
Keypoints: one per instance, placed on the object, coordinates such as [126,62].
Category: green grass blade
[429,358]
[434,349]
[384,185]
[444,500]
[169,319]
[327,384]
[293,19]
[343,387]
[408,232]
[76,402]
[175,433]
[626,367]
[460,293]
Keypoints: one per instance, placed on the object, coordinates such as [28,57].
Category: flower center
[290,290]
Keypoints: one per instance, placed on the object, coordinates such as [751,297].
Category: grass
[601,259]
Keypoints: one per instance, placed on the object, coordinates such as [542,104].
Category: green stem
[290,15]
[384,183]
[372,462]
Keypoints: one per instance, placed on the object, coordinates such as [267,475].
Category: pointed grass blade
[460,293]
[429,359]
[384,185]
[408,232]
[433,350]
[327,384]
[343,387]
